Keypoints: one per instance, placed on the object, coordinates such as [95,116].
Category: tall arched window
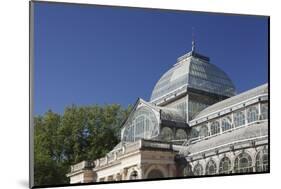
[264,111]
[239,118]
[198,170]
[225,166]
[211,168]
[142,124]
[243,163]
[181,134]
[262,161]
[226,123]
[215,128]
[167,134]
[203,132]
[252,114]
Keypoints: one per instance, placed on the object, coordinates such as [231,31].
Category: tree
[46,150]
[81,133]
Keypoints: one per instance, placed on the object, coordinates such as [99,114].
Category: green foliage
[81,133]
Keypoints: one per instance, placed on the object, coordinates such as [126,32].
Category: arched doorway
[155,173]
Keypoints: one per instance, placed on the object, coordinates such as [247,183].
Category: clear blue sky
[101,55]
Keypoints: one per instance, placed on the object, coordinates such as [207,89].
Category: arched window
[215,128]
[203,131]
[252,114]
[226,123]
[225,166]
[198,170]
[181,134]
[142,124]
[194,133]
[264,111]
[211,168]
[167,134]
[154,174]
[239,118]
[262,161]
[243,163]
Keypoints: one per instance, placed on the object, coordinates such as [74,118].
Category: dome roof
[193,71]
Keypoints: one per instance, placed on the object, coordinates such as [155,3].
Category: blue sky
[101,55]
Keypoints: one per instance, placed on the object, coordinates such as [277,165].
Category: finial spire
[193,40]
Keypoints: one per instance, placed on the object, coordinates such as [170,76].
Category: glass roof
[193,72]
[142,124]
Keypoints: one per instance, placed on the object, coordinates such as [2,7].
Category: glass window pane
[143,124]
[225,166]
[226,123]
[252,113]
[211,168]
[203,131]
[264,111]
[198,170]
[181,134]
[166,134]
[262,161]
[243,163]
[215,128]
[239,118]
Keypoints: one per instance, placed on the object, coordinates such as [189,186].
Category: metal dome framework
[194,71]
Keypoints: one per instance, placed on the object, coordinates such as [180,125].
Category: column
[232,120]
[245,114]
[220,121]
[259,108]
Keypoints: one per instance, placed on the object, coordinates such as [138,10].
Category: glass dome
[193,71]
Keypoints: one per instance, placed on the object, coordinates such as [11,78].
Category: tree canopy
[80,133]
